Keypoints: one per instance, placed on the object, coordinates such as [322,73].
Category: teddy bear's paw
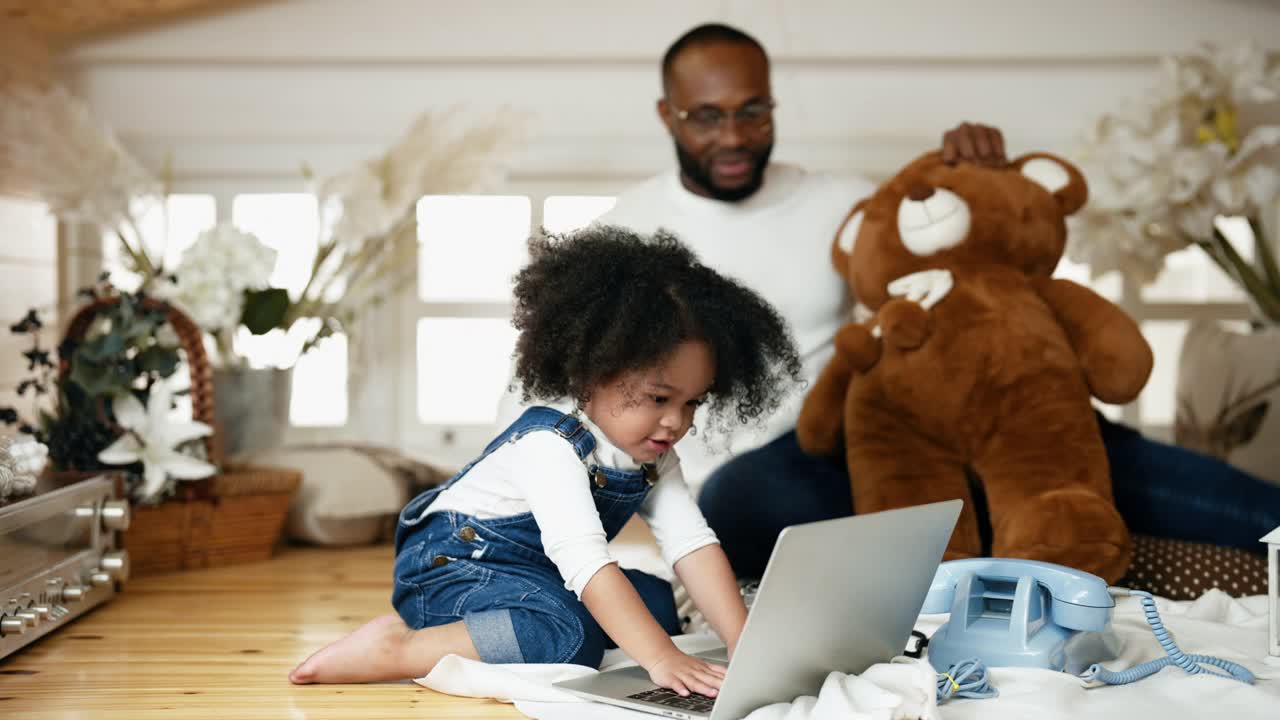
[927,287]
[859,346]
[905,324]
[1075,527]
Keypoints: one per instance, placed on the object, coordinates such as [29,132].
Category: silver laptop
[837,595]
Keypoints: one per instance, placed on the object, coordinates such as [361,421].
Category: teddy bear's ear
[842,246]
[1062,179]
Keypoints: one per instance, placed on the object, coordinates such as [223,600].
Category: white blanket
[1213,625]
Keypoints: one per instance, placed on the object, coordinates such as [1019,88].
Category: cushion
[1229,397]
[350,494]
[1181,570]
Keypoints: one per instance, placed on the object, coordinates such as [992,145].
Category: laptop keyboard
[669,698]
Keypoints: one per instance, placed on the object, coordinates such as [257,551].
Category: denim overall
[494,575]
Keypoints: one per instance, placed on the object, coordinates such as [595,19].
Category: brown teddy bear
[977,363]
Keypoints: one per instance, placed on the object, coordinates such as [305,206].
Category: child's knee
[539,636]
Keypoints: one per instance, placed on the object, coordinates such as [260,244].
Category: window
[462,366]
[286,222]
[1190,275]
[319,397]
[470,248]
[563,213]
[289,223]
[167,229]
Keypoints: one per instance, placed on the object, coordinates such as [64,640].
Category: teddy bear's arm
[1115,356]
[820,427]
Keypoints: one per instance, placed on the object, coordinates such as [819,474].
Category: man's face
[718,110]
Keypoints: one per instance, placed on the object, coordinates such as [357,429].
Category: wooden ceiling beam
[66,22]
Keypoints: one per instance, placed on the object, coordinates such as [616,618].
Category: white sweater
[541,473]
[776,242]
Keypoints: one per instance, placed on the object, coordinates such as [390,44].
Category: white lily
[152,439]
[1202,143]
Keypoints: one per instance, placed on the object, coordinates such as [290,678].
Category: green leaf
[103,347]
[125,311]
[159,360]
[1262,250]
[98,379]
[264,310]
[141,328]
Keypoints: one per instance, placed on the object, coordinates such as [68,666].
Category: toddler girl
[622,338]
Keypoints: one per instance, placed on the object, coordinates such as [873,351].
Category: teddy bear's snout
[919,191]
[938,220]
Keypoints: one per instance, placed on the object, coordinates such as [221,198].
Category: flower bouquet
[1195,163]
[1201,146]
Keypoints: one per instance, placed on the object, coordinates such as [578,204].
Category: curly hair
[604,301]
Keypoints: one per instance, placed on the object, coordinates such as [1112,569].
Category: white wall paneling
[237,102]
[29,273]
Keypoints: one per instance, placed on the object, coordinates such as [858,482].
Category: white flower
[209,300]
[1160,170]
[214,273]
[1238,74]
[1250,179]
[152,440]
[243,259]
[1126,242]
[100,326]
[167,337]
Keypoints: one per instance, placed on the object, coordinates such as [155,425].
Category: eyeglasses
[706,120]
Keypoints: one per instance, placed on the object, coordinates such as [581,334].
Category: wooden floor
[219,644]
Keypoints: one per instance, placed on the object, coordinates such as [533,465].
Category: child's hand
[685,674]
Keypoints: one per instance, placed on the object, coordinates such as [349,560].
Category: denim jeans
[1161,490]
[493,574]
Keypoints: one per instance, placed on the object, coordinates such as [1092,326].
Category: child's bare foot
[374,652]
[384,649]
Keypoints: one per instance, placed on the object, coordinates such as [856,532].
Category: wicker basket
[233,517]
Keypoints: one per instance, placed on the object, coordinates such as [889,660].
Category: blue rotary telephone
[1017,612]
[1025,613]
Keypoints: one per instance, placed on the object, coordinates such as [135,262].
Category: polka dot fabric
[1181,570]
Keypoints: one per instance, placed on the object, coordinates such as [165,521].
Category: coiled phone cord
[1192,664]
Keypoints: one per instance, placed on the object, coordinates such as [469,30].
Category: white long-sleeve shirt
[541,473]
[776,242]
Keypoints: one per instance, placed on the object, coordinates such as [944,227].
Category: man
[770,226]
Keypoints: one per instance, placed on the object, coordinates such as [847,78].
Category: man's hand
[971,142]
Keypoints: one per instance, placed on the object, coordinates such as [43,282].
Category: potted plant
[103,402]
[366,250]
